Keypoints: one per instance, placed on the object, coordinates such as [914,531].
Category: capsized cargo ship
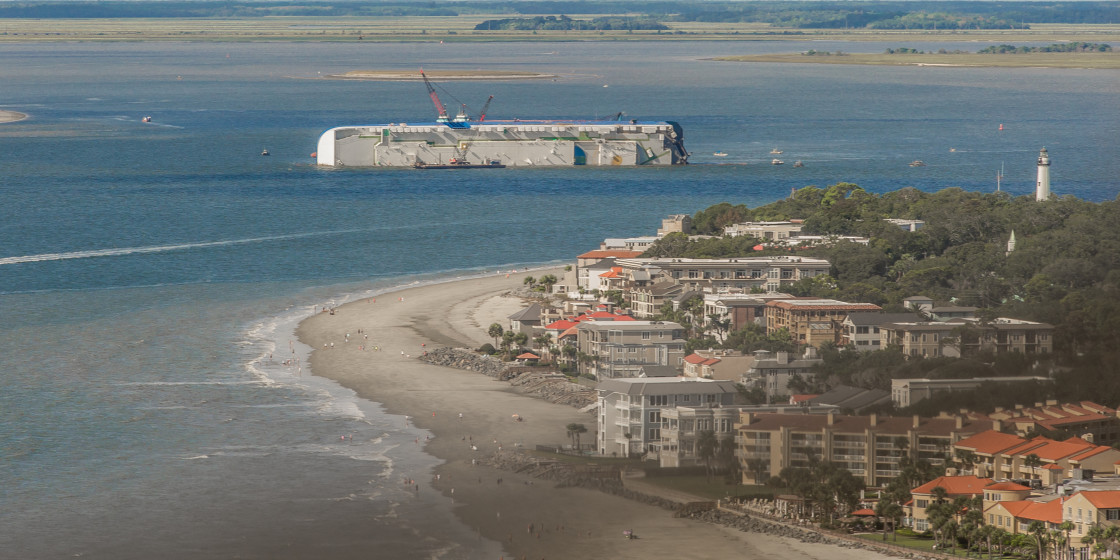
[502,143]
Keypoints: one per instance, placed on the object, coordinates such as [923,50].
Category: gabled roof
[990,442]
[864,512]
[1057,450]
[571,331]
[1049,512]
[609,253]
[531,313]
[701,360]
[560,325]
[528,356]
[955,485]
[1102,499]
[614,272]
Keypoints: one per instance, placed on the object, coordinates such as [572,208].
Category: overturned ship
[460,140]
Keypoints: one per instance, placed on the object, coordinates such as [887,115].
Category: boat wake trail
[116,252]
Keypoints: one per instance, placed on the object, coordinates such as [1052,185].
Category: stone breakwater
[541,383]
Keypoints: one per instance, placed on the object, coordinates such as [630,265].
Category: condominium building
[744,274]
[764,230]
[1000,455]
[630,410]
[963,335]
[812,321]
[870,447]
[620,348]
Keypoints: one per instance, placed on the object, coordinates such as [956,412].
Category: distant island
[444,75]
[1064,55]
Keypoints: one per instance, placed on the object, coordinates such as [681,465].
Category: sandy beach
[531,518]
[11,116]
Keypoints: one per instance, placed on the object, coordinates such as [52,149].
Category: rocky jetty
[543,384]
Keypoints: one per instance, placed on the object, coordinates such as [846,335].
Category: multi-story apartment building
[905,392]
[739,308]
[681,428]
[870,447]
[812,321]
[963,335]
[745,273]
[954,486]
[772,371]
[630,410]
[621,348]
[592,264]
[646,300]
[770,231]
[861,330]
[1086,419]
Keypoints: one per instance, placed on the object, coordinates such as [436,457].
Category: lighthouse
[1042,189]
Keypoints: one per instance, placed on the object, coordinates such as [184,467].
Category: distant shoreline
[1108,60]
[11,116]
[444,76]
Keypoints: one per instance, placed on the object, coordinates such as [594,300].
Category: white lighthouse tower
[1042,189]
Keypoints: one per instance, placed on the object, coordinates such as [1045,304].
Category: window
[659,400]
[1112,514]
[654,434]
[655,417]
[645,335]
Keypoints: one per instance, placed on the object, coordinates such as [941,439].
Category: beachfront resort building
[630,410]
[871,447]
[996,454]
[616,349]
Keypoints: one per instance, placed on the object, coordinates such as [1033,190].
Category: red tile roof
[794,399]
[608,253]
[955,485]
[701,360]
[1050,512]
[864,512]
[561,324]
[528,356]
[990,442]
[1006,486]
[1102,499]
[614,272]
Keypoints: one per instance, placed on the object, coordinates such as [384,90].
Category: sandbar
[442,75]
[11,116]
[578,523]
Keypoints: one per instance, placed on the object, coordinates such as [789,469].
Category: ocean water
[151,274]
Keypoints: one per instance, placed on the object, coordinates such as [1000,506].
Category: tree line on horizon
[786,14]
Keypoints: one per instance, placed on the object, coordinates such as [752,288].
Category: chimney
[783,357]
[997,425]
[960,422]
[874,419]
[831,418]
[917,420]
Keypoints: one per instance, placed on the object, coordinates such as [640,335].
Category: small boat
[775,152]
[146,119]
[264,152]
[720,154]
[798,164]
[917,163]
[776,161]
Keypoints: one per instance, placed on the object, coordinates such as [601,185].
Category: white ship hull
[510,143]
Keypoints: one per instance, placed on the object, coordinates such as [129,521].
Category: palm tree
[548,281]
[1032,462]
[574,431]
[495,331]
[1038,529]
[706,446]
[1066,526]
[529,281]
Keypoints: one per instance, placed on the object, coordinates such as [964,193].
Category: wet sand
[501,505]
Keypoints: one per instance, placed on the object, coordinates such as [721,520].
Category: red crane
[482,115]
[435,98]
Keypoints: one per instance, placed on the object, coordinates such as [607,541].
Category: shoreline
[529,517]
[7,116]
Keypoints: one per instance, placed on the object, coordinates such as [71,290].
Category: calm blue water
[148,271]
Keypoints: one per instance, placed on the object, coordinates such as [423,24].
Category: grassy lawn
[698,485]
